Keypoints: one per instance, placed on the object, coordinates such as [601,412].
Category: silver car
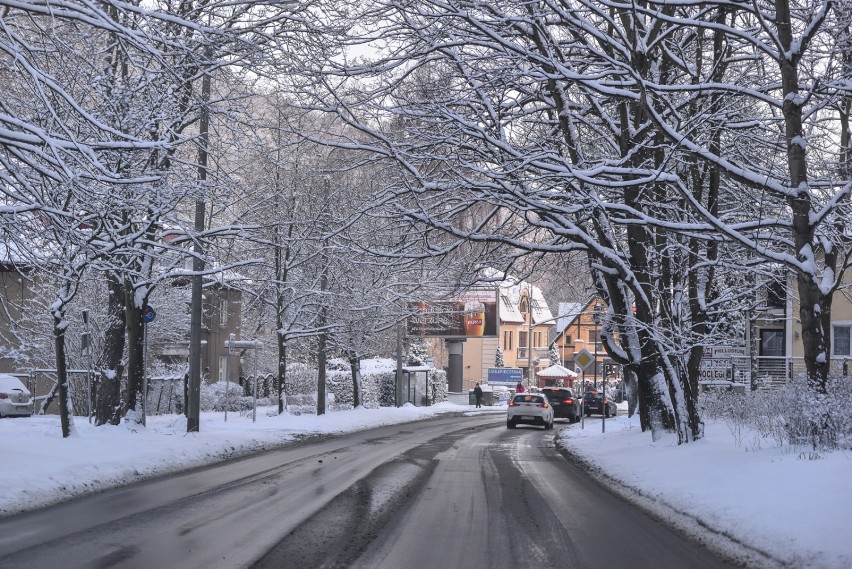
[15,399]
[531,409]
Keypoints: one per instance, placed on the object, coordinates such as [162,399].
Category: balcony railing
[773,371]
[537,352]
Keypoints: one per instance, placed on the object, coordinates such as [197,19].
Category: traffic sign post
[233,345]
[585,359]
[148,315]
[230,345]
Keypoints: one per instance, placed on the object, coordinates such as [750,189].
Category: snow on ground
[788,507]
[793,506]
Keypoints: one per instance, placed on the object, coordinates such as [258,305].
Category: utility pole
[399,396]
[529,336]
[86,342]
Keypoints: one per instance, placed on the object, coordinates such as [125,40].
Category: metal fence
[766,372]
[42,384]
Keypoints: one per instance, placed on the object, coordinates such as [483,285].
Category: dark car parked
[599,403]
[565,405]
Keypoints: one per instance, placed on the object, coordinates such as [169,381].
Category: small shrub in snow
[214,397]
[793,415]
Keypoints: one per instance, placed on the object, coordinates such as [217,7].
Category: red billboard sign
[468,315]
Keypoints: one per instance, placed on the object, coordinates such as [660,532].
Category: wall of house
[222,317]
[786,320]
[478,355]
[516,355]
[582,333]
[841,314]
[472,362]
[14,291]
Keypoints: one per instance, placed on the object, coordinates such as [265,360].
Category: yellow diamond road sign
[584,359]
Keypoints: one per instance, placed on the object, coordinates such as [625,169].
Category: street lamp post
[596,317]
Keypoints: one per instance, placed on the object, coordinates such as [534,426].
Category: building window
[223,312]
[595,338]
[223,367]
[569,341]
[507,340]
[772,342]
[776,295]
[842,340]
[522,340]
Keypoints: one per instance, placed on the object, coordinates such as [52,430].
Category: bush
[378,385]
[213,397]
[794,415]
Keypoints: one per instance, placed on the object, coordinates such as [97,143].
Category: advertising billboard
[509,376]
[471,314]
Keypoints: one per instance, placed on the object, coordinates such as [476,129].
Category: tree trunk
[108,406]
[65,415]
[814,303]
[355,366]
[321,346]
[321,343]
[135,355]
[282,372]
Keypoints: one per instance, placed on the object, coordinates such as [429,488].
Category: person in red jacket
[520,388]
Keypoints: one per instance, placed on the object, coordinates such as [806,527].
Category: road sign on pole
[584,359]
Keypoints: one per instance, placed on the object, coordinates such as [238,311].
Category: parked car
[600,403]
[565,405]
[531,409]
[15,399]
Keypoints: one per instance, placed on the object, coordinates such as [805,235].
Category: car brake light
[544,405]
[569,401]
[512,404]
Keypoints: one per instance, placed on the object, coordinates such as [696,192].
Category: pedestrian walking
[477,392]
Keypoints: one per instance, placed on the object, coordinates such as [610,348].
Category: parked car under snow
[15,399]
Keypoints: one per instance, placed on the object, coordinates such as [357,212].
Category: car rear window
[558,393]
[528,399]
[11,383]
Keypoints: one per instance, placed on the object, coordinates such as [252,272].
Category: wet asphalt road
[452,492]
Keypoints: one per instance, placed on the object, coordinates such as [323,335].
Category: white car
[531,409]
[15,399]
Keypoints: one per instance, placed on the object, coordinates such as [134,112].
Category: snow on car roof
[9,382]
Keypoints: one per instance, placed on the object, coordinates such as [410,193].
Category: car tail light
[569,401]
[544,405]
[512,404]
[4,395]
